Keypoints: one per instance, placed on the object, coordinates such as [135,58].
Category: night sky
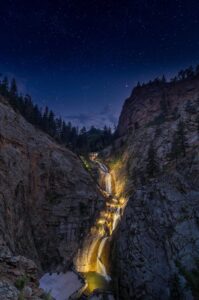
[83,57]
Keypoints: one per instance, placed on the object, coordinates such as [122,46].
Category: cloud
[82,118]
[106,109]
[113,119]
[105,117]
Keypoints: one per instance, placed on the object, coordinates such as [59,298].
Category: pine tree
[45,119]
[138,85]
[189,72]
[4,86]
[59,126]
[28,109]
[181,75]
[152,165]
[83,130]
[179,143]
[13,88]
[197,70]
[73,138]
[37,116]
[51,124]
[164,104]
[82,141]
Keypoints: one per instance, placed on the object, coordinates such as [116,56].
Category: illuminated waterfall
[107,176]
[101,269]
[116,218]
[92,250]
[108,180]
[92,259]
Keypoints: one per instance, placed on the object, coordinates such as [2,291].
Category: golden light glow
[101,221]
[122,201]
[92,260]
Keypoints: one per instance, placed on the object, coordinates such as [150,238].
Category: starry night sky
[83,57]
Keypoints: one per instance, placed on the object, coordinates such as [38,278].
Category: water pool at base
[95,281]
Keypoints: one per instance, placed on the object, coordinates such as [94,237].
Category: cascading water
[101,269]
[102,167]
[93,257]
[116,218]
[108,183]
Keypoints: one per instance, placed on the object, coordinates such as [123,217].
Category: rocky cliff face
[150,103]
[47,199]
[157,243]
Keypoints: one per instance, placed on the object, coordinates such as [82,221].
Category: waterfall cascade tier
[92,260]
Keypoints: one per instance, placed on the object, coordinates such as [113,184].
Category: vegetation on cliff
[188,73]
[81,141]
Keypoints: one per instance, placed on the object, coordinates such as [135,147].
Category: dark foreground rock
[47,202]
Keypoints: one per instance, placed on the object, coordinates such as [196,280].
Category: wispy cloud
[82,118]
[104,117]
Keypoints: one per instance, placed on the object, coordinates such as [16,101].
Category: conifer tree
[163,79]
[164,104]
[4,86]
[51,124]
[45,119]
[152,165]
[179,143]
[13,88]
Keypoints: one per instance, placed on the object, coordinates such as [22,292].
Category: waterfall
[108,183]
[102,167]
[108,178]
[92,250]
[101,269]
[116,218]
[93,257]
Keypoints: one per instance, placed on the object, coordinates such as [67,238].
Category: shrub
[158,120]
[21,282]
[21,296]
[152,164]
[191,277]
[190,108]
[86,164]
[47,296]
[179,142]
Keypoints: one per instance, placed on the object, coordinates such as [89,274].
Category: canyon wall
[157,243]
[48,201]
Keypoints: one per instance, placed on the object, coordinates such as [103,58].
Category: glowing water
[93,257]
[116,218]
[108,183]
[92,249]
[101,269]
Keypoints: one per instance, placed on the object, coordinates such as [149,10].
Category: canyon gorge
[124,220]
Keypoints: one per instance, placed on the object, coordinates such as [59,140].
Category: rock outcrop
[47,199]
[157,243]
